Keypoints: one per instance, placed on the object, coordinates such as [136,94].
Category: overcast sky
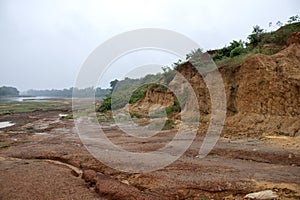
[43,43]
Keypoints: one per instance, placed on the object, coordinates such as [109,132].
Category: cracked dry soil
[41,157]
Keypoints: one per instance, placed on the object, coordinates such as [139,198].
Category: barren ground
[41,157]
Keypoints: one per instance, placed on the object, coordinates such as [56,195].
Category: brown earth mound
[263,93]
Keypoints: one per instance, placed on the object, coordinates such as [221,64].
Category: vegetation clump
[169,124]
[259,41]
[173,108]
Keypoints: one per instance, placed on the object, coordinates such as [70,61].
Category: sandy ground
[41,157]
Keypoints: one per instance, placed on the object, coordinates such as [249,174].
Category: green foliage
[237,51]
[279,23]
[200,61]
[149,78]
[168,125]
[194,53]
[234,61]
[258,42]
[8,91]
[101,92]
[257,30]
[177,64]
[106,104]
[236,46]
[279,37]
[173,108]
[125,87]
[168,74]
[293,19]
[255,37]
[85,92]
[259,38]
[113,84]
[232,55]
[138,94]
[170,109]
[265,51]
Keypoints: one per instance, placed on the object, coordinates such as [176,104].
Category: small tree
[113,84]
[106,104]
[168,74]
[257,30]
[237,51]
[293,19]
[226,51]
[270,24]
[279,23]
[193,53]
[255,37]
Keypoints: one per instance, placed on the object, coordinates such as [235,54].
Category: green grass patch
[138,94]
[234,61]
[24,107]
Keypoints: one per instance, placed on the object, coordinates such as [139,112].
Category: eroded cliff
[263,94]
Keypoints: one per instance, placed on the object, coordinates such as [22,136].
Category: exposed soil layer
[234,168]
[262,94]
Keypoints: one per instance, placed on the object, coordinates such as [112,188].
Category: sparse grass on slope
[233,62]
[267,43]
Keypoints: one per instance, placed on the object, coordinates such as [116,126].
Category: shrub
[256,36]
[173,108]
[138,94]
[277,37]
[237,51]
[226,51]
[106,104]
[168,74]
[170,109]
[168,125]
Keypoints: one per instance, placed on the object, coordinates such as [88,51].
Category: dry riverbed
[41,157]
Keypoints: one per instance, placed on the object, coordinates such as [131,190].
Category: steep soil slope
[263,93]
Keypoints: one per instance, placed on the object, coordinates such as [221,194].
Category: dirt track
[234,168]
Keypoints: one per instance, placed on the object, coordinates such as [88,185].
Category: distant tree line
[8,91]
[86,92]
